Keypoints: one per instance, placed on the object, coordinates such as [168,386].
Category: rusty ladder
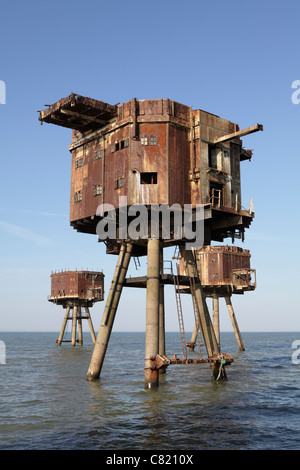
[180,314]
[137,262]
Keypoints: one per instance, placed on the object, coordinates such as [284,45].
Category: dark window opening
[149,178]
[124,143]
[212,156]
[119,145]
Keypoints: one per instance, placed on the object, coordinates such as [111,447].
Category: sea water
[46,403]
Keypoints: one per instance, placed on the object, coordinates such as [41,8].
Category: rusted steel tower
[153,153]
[75,291]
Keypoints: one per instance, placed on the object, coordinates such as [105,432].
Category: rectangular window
[148,178]
[78,162]
[97,190]
[153,140]
[118,145]
[119,183]
[78,196]
[124,143]
[98,154]
[144,140]
[212,156]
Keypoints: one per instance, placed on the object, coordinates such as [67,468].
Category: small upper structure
[83,288]
[224,270]
[153,152]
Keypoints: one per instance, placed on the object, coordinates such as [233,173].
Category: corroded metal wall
[81,285]
[224,269]
[153,152]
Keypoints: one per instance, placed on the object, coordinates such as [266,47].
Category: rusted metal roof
[78,112]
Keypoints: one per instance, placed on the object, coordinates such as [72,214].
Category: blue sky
[235,59]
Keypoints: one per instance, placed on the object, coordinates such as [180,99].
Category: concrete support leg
[234,323]
[79,321]
[152,314]
[216,318]
[204,317]
[62,331]
[109,312]
[90,324]
[74,322]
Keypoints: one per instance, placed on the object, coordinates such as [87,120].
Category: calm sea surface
[46,402]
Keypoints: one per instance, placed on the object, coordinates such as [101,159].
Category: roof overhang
[78,112]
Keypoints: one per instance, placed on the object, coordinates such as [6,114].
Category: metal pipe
[216,318]
[234,323]
[194,337]
[161,320]
[109,312]
[249,130]
[152,314]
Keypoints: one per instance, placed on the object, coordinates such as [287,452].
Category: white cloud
[24,211]
[24,233]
